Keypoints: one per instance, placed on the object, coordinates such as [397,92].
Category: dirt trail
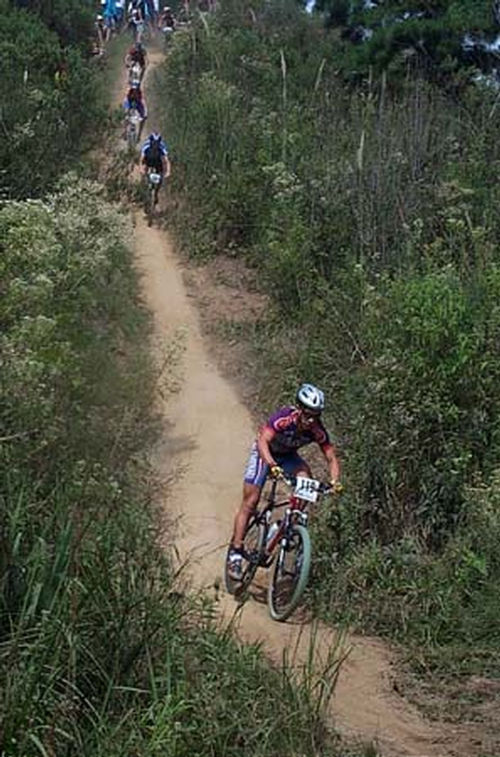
[208,434]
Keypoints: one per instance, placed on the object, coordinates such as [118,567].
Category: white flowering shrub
[89,620]
[59,259]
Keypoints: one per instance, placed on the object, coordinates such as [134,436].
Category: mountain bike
[284,545]
[133,126]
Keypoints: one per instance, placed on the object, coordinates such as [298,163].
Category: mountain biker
[139,6]
[137,54]
[136,21]
[108,12]
[100,29]
[134,99]
[154,155]
[151,13]
[119,12]
[166,20]
[275,451]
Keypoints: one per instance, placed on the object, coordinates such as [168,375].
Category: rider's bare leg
[251,496]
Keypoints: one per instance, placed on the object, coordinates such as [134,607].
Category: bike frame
[286,553]
[296,511]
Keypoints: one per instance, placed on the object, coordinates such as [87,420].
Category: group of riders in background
[141,17]
[140,14]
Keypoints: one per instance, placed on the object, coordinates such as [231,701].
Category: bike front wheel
[290,574]
[132,135]
[253,548]
[150,205]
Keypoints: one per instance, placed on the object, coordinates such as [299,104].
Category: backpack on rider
[153,155]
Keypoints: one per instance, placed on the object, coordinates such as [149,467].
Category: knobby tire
[289,575]
[132,136]
[150,205]
[253,545]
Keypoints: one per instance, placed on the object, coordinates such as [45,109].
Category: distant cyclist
[151,13]
[154,157]
[109,12]
[136,20]
[119,13]
[100,30]
[166,20]
[275,451]
[134,100]
[137,54]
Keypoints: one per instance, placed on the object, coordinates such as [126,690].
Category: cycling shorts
[257,470]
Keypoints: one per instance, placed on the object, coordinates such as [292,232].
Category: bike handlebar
[323,488]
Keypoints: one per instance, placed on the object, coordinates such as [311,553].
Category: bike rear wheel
[290,574]
[253,547]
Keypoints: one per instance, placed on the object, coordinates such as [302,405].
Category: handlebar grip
[277,472]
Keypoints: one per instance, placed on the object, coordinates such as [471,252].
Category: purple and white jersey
[287,436]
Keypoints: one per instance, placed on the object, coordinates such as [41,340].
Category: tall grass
[370,213]
[101,650]
[56,105]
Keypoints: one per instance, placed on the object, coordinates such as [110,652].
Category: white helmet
[311,398]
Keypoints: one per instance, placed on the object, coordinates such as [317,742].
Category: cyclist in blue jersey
[154,158]
[275,451]
[109,13]
[119,12]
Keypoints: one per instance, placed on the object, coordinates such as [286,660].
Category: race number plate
[154,178]
[306,488]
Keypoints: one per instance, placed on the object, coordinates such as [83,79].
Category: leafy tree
[70,19]
[44,123]
[430,32]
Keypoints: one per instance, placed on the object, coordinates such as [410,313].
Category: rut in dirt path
[209,435]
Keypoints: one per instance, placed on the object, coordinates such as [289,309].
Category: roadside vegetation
[101,650]
[102,653]
[371,214]
[50,90]
[447,40]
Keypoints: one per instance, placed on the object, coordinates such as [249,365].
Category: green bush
[47,121]
[106,654]
[369,209]
[429,399]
